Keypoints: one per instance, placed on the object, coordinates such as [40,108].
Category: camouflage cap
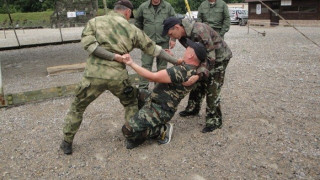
[169,23]
[199,49]
[127,4]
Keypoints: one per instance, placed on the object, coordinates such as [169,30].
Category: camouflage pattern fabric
[150,21]
[216,15]
[219,55]
[91,88]
[114,33]
[216,47]
[147,61]
[160,105]
[212,88]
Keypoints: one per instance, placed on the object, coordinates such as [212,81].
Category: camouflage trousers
[91,88]
[147,62]
[149,121]
[210,88]
[218,31]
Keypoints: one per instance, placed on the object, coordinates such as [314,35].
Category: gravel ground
[270,103]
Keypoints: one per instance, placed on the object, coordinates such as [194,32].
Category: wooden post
[2,101]
[14,29]
[58,20]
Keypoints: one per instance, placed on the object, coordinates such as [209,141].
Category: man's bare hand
[180,61]
[127,59]
[172,44]
[169,52]
[118,57]
[191,80]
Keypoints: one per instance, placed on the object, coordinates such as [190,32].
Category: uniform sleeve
[178,74]
[172,12]
[210,38]
[139,18]
[226,20]
[143,42]
[88,38]
[200,14]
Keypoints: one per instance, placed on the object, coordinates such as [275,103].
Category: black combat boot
[186,113]
[130,144]
[66,147]
[211,128]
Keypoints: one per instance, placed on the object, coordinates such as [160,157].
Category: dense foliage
[43,5]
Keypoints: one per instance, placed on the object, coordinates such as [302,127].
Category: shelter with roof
[297,12]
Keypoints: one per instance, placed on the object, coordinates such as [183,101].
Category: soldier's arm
[172,12]
[200,14]
[202,73]
[139,18]
[159,77]
[107,55]
[88,38]
[143,42]
[90,43]
[209,38]
[226,20]
[193,79]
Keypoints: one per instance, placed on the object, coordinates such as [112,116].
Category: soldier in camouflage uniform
[149,18]
[216,14]
[219,55]
[160,105]
[106,38]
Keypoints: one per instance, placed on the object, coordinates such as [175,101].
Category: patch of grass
[32,16]
[35,17]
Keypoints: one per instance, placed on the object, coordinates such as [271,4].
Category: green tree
[43,5]
[27,5]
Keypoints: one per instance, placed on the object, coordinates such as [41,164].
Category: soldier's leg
[146,124]
[195,99]
[143,97]
[88,90]
[218,31]
[127,95]
[143,125]
[213,110]
[146,62]
[162,64]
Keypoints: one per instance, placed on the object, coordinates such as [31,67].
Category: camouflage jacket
[114,33]
[217,49]
[150,20]
[168,96]
[216,15]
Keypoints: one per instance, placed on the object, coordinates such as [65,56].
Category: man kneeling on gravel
[160,105]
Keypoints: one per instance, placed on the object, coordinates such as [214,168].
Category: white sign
[258,9]
[286,2]
[71,14]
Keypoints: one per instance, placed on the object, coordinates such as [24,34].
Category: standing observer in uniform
[216,14]
[106,38]
[219,55]
[149,17]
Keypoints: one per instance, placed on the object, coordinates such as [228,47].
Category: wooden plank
[48,93]
[65,69]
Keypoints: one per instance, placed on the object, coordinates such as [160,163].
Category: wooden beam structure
[64,69]
[45,94]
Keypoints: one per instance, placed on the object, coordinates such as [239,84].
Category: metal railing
[37,33]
